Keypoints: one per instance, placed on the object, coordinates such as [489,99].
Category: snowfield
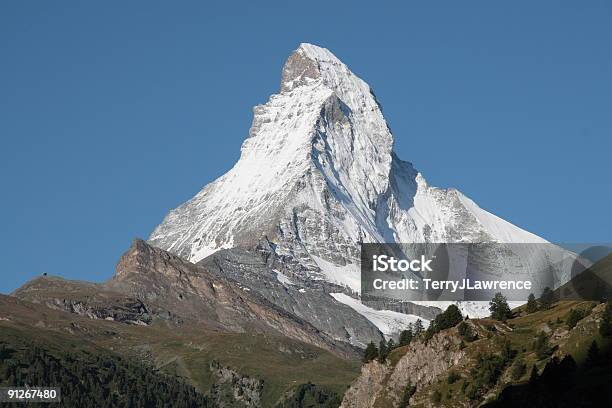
[387,321]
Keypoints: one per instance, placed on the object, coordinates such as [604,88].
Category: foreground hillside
[540,359]
[186,326]
[226,369]
[165,329]
[85,372]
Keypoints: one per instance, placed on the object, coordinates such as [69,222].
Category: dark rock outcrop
[309,300]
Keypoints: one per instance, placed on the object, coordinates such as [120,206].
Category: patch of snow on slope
[473,309]
[348,275]
[498,227]
[283,279]
[387,321]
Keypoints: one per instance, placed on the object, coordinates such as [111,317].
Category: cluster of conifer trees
[381,352]
[100,380]
[546,300]
[540,390]
[449,318]
[311,395]
[563,383]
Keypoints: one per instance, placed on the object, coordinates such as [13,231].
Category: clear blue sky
[112,113]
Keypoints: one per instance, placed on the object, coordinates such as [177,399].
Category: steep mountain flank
[469,366]
[309,300]
[152,283]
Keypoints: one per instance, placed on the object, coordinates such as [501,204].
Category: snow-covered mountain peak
[310,63]
[317,53]
[317,176]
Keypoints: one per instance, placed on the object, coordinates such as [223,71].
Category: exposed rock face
[152,283]
[131,312]
[427,365]
[420,366]
[195,293]
[367,388]
[309,300]
[299,70]
[92,300]
[231,389]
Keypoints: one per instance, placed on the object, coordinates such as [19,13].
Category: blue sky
[112,113]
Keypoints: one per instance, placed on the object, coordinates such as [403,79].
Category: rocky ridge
[427,364]
[151,284]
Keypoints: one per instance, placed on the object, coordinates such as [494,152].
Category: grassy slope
[86,372]
[283,364]
[521,331]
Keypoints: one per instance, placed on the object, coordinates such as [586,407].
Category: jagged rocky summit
[317,176]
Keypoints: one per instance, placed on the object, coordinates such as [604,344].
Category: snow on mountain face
[317,176]
[387,321]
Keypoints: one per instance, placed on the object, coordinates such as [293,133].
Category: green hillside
[271,369]
[539,359]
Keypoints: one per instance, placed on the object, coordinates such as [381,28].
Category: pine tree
[507,353]
[418,328]
[371,352]
[567,365]
[574,316]
[541,346]
[499,308]
[383,352]
[547,298]
[606,321]
[431,330]
[518,368]
[449,318]
[436,397]
[466,332]
[533,377]
[408,393]
[592,358]
[532,304]
[405,337]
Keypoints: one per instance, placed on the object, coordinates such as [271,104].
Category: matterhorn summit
[317,176]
